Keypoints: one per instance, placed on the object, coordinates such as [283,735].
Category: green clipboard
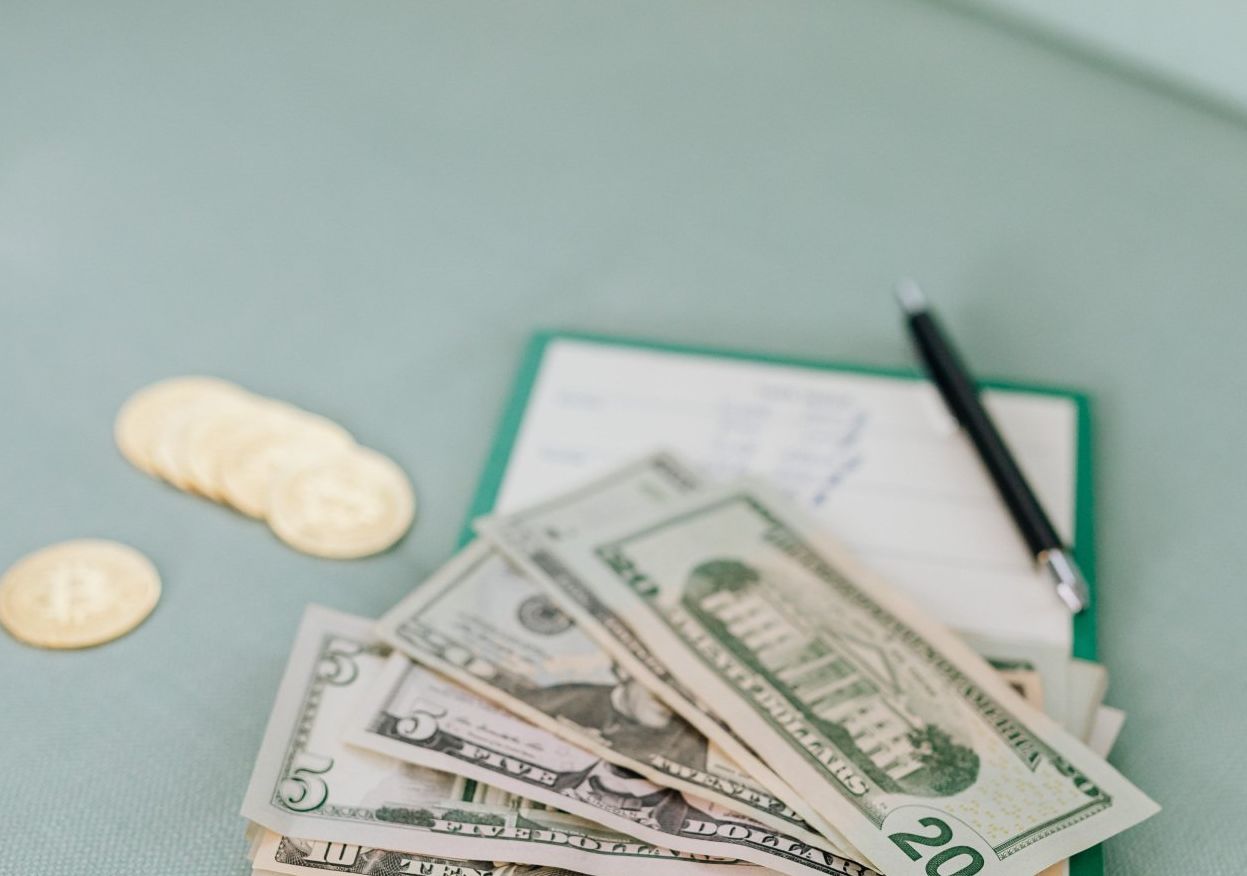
[1088,863]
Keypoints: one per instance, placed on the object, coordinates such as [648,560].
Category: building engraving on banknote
[489,626]
[532,538]
[836,696]
[869,709]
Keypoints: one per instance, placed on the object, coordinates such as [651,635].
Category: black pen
[944,368]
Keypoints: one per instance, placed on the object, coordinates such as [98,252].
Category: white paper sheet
[1105,729]
[877,458]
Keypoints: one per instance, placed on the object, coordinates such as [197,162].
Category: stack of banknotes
[655,673]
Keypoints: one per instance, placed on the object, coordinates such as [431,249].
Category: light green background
[1195,45]
[365,207]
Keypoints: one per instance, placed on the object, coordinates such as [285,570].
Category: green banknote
[638,488]
[424,718]
[299,857]
[308,783]
[1026,682]
[886,723]
[483,622]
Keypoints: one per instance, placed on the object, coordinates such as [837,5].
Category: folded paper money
[883,721]
[626,671]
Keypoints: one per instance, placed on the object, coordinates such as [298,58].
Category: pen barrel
[961,396]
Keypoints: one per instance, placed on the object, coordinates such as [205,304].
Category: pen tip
[910,297]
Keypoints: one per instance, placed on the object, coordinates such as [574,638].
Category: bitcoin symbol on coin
[335,503]
[350,504]
[78,593]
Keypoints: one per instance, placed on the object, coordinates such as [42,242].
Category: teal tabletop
[367,207]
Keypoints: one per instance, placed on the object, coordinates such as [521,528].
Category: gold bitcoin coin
[143,414]
[223,433]
[170,452]
[251,469]
[347,505]
[78,593]
[207,442]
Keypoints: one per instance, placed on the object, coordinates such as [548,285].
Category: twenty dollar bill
[640,488]
[886,723]
[483,622]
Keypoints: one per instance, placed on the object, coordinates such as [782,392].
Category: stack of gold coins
[319,491]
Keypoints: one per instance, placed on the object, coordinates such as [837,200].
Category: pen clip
[1070,584]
